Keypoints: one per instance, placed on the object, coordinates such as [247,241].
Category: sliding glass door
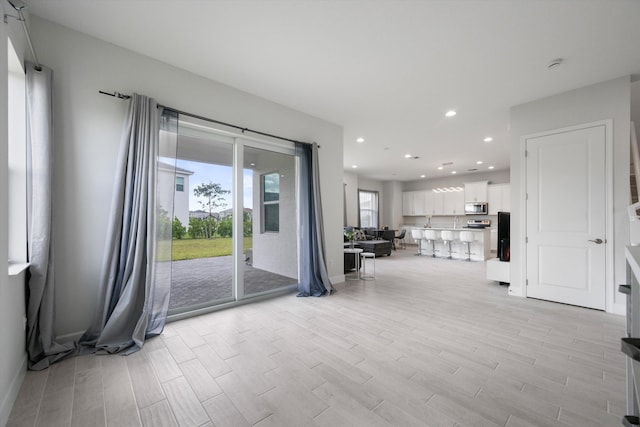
[270,200]
[231,205]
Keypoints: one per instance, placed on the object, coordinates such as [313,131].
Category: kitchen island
[480,247]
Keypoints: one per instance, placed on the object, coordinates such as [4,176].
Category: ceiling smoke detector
[554,63]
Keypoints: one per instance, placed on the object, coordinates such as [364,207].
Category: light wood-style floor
[429,342]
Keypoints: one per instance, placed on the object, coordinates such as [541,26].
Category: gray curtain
[314,279]
[130,308]
[42,349]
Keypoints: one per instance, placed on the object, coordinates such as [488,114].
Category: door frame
[609,218]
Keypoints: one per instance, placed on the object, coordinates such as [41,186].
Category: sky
[205,173]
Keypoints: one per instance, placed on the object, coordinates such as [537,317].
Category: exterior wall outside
[277,252]
[606,100]
[180,201]
[84,175]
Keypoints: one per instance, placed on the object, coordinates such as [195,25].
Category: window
[179,183]
[368,207]
[17,158]
[271,202]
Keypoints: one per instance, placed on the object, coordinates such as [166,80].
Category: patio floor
[202,280]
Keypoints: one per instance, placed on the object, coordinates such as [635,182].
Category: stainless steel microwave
[476,208]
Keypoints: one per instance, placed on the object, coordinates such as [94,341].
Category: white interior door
[566,221]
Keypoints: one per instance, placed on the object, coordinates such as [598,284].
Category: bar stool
[365,256]
[418,235]
[467,237]
[431,236]
[447,237]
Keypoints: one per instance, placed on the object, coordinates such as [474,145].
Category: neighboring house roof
[200,214]
[228,212]
[171,168]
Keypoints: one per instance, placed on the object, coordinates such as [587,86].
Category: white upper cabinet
[476,191]
[433,203]
[413,203]
[499,198]
[453,203]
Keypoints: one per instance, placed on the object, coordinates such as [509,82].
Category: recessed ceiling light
[490,167]
[360,140]
[454,172]
[354,166]
[440,168]
[422,176]
[407,156]
[450,113]
[252,164]
[479,162]
[488,139]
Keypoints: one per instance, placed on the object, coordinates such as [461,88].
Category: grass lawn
[199,248]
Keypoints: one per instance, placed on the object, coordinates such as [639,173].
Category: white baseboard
[337,279]
[620,309]
[10,397]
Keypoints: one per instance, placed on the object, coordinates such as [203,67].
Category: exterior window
[368,207]
[16,159]
[179,183]
[271,202]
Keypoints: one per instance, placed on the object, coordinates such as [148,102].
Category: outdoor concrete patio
[202,280]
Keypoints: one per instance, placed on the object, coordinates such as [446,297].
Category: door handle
[597,241]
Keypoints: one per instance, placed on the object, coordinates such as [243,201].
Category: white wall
[87,133]
[12,305]
[392,209]
[606,100]
[351,191]
[635,106]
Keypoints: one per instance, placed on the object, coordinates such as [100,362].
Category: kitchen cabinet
[499,198]
[433,203]
[453,203]
[413,203]
[476,191]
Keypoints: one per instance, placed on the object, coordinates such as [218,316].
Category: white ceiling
[386,71]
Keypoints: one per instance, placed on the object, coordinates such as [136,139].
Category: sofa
[367,242]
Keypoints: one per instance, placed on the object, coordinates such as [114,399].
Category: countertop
[457,229]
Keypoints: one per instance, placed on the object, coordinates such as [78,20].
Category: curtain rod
[195,116]
[18,5]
